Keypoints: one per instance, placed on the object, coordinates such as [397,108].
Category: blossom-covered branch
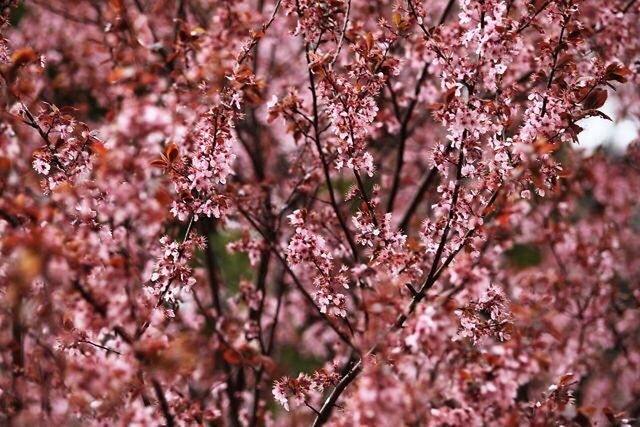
[335,212]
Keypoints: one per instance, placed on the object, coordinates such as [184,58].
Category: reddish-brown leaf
[171,152]
[617,72]
[596,99]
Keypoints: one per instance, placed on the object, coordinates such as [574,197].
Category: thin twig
[443,240]
[556,53]
[273,247]
[105,348]
[404,134]
[326,409]
[164,405]
[325,165]
[344,30]
[425,183]
[533,17]
[254,40]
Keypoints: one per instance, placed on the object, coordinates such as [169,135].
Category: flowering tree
[297,212]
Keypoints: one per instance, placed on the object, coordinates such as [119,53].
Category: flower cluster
[389,246]
[350,99]
[368,212]
[68,146]
[309,249]
[199,175]
[171,273]
[301,387]
[488,316]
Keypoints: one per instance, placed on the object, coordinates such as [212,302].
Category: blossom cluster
[299,388]
[68,146]
[172,273]
[199,175]
[309,249]
[340,212]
